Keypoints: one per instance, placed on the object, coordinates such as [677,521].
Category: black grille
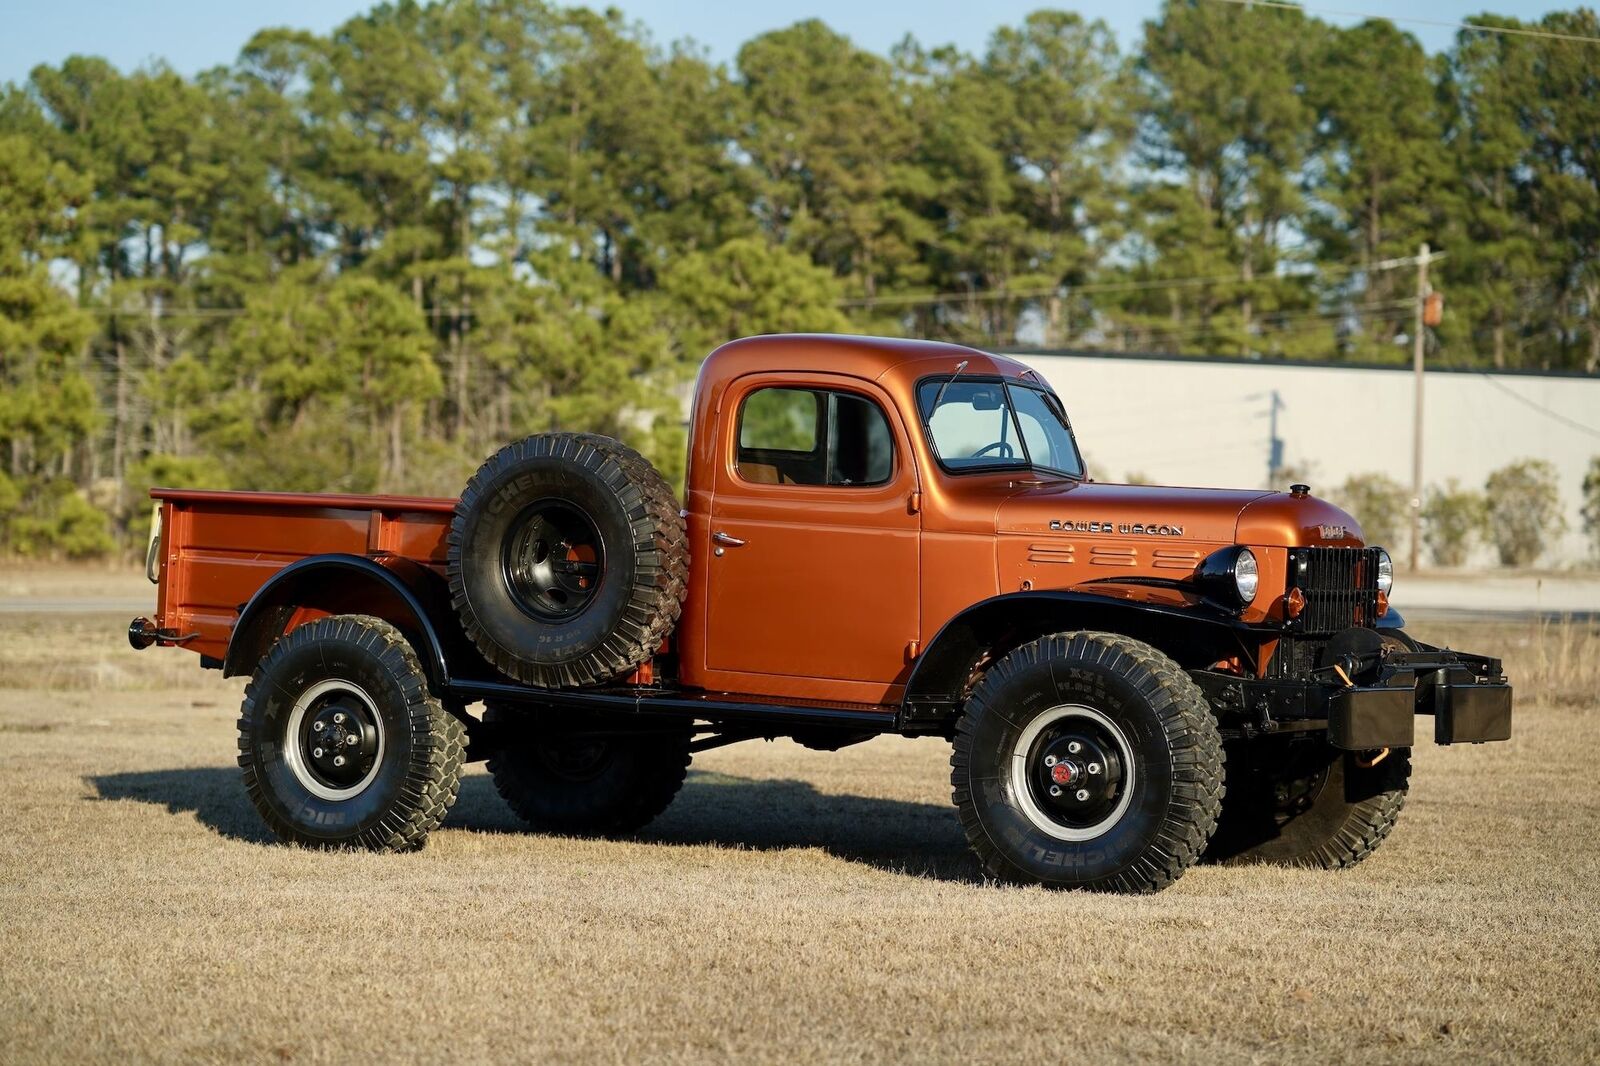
[1340,586]
[1294,658]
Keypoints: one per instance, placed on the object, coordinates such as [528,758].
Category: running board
[716,707]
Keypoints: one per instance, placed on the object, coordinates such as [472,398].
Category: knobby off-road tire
[348,688]
[575,787]
[1301,802]
[568,560]
[1148,754]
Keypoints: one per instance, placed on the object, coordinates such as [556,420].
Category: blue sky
[195,34]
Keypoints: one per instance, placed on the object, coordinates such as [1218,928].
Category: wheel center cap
[1063,773]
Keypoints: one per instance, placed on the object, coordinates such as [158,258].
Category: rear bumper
[1467,697]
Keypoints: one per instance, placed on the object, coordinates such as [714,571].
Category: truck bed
[217,548]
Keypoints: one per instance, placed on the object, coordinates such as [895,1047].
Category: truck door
[813,568]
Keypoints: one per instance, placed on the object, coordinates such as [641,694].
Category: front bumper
[1467,696]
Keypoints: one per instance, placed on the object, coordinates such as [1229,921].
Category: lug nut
[352,740]
[319,725]
[1083,794]
[338,717]
[1050,760]
[1055,790]
[1094,768]
[338,760]
[316,753]
[1074,747]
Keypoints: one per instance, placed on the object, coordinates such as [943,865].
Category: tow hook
[1367,764]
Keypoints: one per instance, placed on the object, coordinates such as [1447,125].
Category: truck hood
[1222,516]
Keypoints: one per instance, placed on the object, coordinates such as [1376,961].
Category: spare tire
[568,559]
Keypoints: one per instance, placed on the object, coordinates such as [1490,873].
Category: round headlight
[1385,572]
[1246,576]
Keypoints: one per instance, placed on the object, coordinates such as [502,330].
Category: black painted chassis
[1358,704]
[1467,696]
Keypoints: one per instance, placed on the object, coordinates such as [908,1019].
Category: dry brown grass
[791,906]
[1559,660]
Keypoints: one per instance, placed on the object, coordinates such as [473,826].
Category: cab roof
[872,358]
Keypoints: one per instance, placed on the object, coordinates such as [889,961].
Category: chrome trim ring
[1022,774]
[292,743]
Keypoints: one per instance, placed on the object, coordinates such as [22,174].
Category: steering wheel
[1001,449]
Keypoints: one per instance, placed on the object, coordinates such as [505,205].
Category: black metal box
[1363,718]
[1471,714]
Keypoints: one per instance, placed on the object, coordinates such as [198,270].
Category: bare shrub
[1380,503]
[1452,520]
[1524,510]
[1591,505]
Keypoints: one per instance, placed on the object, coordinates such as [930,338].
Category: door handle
[720,537]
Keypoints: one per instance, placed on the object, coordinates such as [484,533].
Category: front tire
[1302,802]
[576,786]
[340,742]
[1087,760]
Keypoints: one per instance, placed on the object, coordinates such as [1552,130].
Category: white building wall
[1195,422]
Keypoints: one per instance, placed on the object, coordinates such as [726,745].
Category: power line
[1510,31]
[985,295]
[905,299]
[1550,413]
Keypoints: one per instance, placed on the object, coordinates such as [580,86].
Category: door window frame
[902,467]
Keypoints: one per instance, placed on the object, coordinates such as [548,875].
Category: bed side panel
[219,548]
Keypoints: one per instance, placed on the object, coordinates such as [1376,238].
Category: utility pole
[1416,419]
[1274,442]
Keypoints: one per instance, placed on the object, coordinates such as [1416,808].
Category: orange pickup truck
[878,536]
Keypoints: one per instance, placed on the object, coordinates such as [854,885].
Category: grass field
[790,906]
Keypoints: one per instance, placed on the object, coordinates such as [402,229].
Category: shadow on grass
[921,839]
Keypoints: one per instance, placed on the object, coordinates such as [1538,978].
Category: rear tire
[1087,760]
[1301,802]
[573,787]
[568,560]
[340,742]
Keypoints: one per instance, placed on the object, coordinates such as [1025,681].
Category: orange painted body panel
[218,548]
[822,592]
[831,589]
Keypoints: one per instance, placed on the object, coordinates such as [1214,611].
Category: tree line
[360,261]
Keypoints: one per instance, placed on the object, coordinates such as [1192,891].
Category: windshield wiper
[927,418]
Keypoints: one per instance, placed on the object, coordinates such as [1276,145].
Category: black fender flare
[398,590]
[1196,636]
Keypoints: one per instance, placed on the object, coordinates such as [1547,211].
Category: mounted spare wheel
[568,559]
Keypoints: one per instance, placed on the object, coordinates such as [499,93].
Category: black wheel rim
[553,560]
[335,740]
[1072,772]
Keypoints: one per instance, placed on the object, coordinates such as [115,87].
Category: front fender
[1192,631]
[399,591]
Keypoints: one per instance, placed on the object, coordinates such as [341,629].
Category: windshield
[996,424]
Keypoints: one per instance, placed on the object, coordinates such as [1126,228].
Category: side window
[862,451]
[1043,426]
[813,437]
[780,420]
